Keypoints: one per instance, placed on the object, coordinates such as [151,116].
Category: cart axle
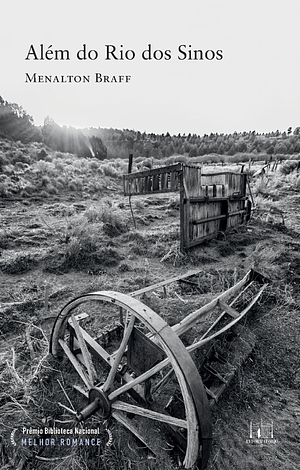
[98,403]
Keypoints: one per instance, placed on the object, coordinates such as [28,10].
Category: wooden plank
[154,171]
[156,183]
[147,413]
[120,352]
[182,210]
[238,355]
[187,209]
[96,348]
[84,350]
[208,219]
[157,180]
[200,343]
[210,190]
[219,190]
[138,184]
[205,199]
[164,181]
[190,319]
[223,313]
[228,309]
[173,181]
[203,192]
[194,182]
[76,364]
[139,292]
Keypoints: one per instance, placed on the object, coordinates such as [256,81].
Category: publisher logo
[261,433]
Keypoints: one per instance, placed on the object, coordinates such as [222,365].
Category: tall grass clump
[110,170]
[114,221]
[288,167]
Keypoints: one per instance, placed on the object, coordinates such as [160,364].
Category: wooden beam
[146,413]
[201,342]
[231,311]
[120,352]
[139,292]
[154,171]
[84,350]
[190,320]
[209,219]
[76,364]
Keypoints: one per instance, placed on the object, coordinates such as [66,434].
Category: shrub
[42,166]
[60,155]
[139,204]
[4,190]
[18,156]
[72,186]
[94,165]
[181,159]
[43,155]
[147,163]
[58,165]
[294,180]
[29,188]
[51,189]
[288,167]
[3,160]
[21,263]
[45,181]
[114,221]
[109,170]
[83,248]
[78,250]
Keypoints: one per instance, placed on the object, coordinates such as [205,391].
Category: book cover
[149,238]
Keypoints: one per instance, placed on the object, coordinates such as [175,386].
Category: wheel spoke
[87,358]
[96,348]
[163,381]
[141,378]
[137,410]
[74,361]
[122,419]
[128,330]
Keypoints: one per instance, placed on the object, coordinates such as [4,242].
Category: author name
[96,78]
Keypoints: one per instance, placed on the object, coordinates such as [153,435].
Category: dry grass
[89,245]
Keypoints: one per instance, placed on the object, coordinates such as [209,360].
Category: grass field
[66,229]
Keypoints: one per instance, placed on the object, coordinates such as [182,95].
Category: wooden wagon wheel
[130,363]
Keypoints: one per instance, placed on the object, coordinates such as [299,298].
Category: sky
[255,86]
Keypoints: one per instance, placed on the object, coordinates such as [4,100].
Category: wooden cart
[129,365]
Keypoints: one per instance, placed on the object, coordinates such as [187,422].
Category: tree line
[102,143]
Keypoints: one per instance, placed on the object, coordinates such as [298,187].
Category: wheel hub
[98,403]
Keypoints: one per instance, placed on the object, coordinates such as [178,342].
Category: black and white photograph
[149,235]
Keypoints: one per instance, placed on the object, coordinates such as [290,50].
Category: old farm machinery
[127,364]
